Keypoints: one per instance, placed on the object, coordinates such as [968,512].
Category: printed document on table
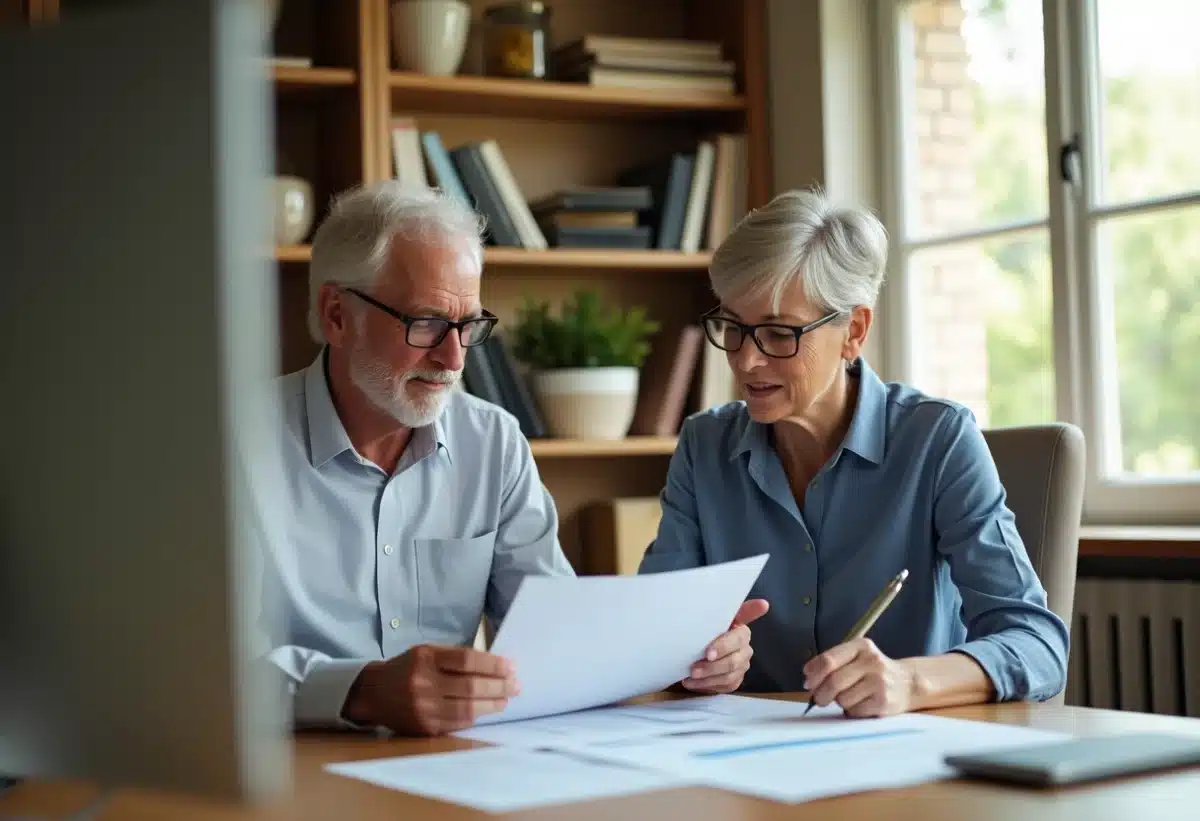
[643,720]
[505,779]
[801,761]
[587,641]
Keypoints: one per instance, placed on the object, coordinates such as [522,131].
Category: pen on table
[872,615]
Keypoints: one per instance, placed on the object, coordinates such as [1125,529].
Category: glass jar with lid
[516,40]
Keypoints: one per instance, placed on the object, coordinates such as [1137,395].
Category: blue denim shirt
[913,485]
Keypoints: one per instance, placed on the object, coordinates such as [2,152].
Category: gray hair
[352,244]
[837,253]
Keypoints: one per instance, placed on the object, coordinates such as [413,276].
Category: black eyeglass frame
[488,318]
[797,331]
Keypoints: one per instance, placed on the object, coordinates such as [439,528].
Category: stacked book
[698,194]
[595,217]
[476,173]
[492,374]
[646,63]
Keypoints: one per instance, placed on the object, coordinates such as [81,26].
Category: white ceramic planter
[429,36]
[587,403]
[293,200]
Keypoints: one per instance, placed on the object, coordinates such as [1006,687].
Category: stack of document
[579,643]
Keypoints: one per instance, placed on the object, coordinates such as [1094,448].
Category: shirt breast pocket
[452,582]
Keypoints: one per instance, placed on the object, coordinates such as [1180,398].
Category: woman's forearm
[947,680]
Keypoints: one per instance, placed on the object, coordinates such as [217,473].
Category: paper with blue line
[794,760]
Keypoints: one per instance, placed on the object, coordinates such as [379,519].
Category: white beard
[389,392]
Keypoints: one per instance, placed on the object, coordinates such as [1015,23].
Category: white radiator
[1135,645]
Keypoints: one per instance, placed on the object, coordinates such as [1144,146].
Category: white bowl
[429,36]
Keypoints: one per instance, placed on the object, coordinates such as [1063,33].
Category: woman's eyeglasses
[774,339]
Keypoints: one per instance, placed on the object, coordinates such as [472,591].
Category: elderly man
[409,509]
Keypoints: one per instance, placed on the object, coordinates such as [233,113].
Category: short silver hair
[837,253]
[352,243]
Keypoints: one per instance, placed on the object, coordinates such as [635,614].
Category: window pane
[1150,265]
[983,327]
[1150,97]
[975,114]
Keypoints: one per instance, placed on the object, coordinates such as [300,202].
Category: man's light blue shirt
[913,486]
[359,565]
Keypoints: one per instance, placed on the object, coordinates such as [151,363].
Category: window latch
[1069,159]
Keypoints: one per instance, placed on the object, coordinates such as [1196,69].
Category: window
[1042,159]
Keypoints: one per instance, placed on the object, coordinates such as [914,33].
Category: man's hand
[727,659]
[859,677]
[430,690]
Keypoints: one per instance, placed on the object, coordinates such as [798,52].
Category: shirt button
[807,600]
[395,624]
[387,550]
[808,548]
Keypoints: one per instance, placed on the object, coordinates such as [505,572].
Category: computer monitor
[137,345]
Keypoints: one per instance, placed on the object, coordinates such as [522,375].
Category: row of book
[698,195]
[681,375]
[476,173]
[682,202]
[644,62]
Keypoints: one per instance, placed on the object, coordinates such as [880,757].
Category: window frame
[1084,395]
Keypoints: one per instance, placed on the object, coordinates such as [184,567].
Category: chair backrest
[1042,468]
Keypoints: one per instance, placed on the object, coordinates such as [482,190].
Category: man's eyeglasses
[774,339]
[429,331]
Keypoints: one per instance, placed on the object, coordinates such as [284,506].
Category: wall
[822,108]
[952,353]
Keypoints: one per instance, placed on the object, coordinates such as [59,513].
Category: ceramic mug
[430,36]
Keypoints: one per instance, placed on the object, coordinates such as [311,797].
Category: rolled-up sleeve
[1020,643]
[527,537]
[677,545]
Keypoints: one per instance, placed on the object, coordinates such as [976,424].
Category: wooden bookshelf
[581,448]
[543,100]
[333,128]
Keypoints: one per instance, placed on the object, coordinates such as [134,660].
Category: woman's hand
[864,681]
[727,659]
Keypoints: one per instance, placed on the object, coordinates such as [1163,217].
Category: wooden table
[319,795]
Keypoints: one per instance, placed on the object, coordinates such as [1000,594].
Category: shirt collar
[868,428]
[327,437]
[753,437]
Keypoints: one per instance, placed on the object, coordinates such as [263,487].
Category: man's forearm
[948,680]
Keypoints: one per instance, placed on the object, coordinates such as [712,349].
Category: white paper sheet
[642,720]
[792,761]
[504,779]
[580,642]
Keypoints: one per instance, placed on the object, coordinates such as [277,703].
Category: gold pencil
[878,606]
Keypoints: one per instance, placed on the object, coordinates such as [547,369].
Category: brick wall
[951,346]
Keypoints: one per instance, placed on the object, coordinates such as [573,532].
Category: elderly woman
[845,481]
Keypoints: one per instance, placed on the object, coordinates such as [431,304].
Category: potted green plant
[585,362]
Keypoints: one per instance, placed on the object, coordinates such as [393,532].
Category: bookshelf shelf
[597,258]
[548,100]
[630,446]
[559,258]
[293,253]
[297,80]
